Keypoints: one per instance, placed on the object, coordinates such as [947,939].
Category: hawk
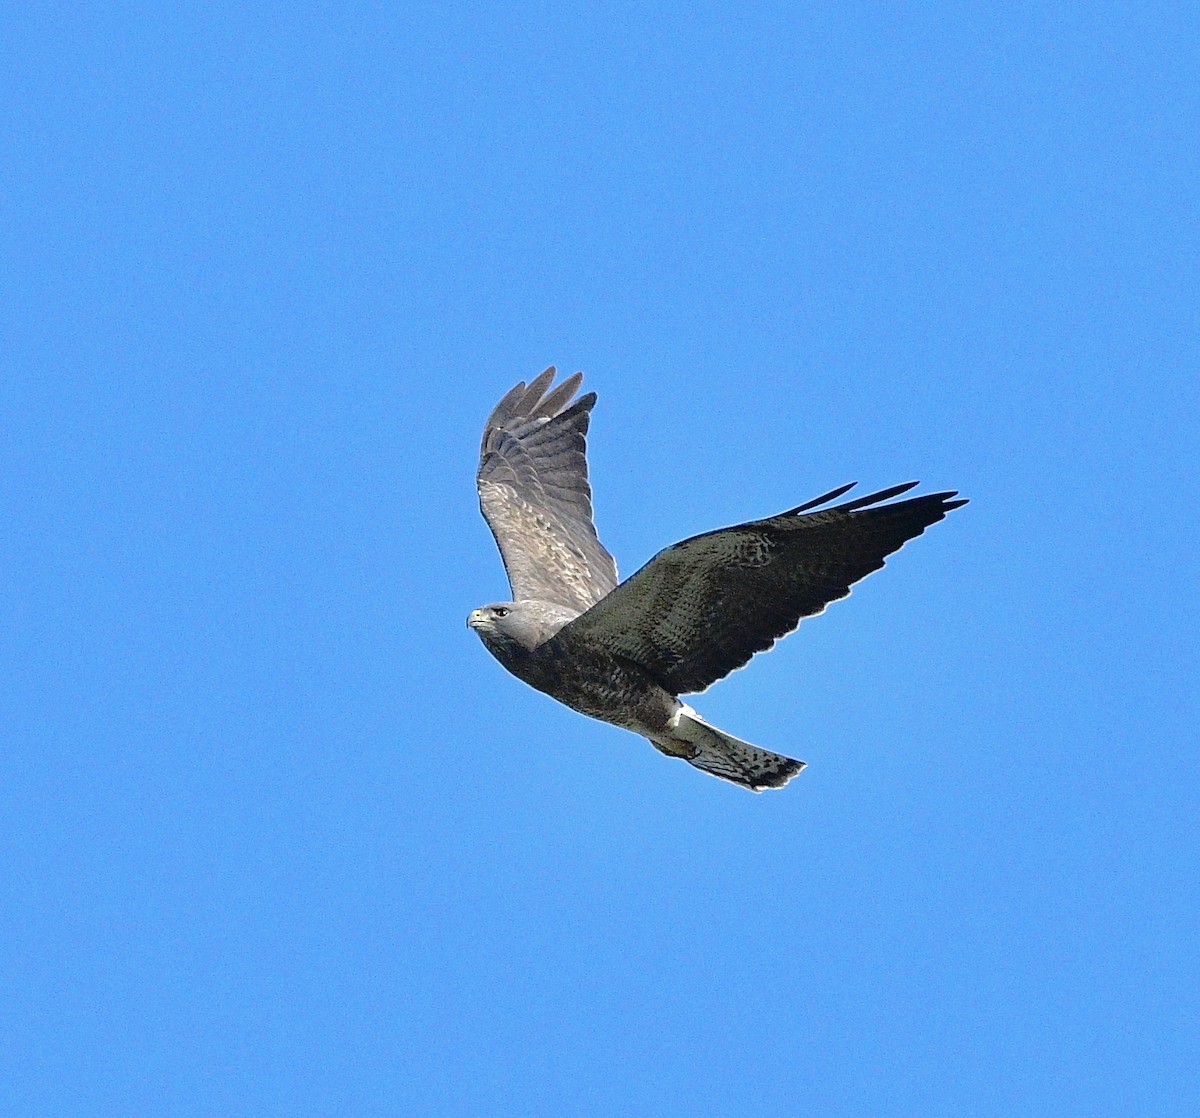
[623,652]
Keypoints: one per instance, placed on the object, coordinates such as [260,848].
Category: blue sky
[280,838]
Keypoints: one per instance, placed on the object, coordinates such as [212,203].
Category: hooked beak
[475,618]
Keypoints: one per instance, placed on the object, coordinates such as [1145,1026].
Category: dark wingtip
[537,387]
[558,397]
[945,498]
[533,400]
[832,495]
[508,406]
[583,404]
[876,498]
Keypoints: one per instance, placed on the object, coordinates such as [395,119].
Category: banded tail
[722,755]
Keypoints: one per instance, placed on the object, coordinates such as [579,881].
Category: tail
[722,755]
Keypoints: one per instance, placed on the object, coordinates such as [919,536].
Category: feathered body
[698,610]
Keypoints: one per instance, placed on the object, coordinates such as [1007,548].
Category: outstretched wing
[703,607]
[534,494]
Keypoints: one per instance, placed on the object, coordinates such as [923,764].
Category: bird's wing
[703,607]
[534,494]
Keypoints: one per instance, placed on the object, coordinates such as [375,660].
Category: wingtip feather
[878,498]
[557,398]
[832,495]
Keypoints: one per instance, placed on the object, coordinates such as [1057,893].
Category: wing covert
[703,607]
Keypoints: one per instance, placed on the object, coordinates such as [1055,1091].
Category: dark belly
[607,688]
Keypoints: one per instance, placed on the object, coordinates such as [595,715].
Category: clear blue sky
[280,838]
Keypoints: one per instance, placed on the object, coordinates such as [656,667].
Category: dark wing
[702,608]
[534,494]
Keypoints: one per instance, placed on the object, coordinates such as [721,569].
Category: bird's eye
[500,611]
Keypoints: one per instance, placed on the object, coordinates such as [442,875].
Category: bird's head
[518,625]
[490,617]
[502,625]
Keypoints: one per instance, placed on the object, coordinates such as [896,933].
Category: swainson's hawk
[624,652]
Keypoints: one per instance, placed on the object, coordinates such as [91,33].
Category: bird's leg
[675,747]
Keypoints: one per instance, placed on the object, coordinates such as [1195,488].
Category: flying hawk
[624,652]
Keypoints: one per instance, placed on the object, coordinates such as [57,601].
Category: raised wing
[703,607]
[534,494]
